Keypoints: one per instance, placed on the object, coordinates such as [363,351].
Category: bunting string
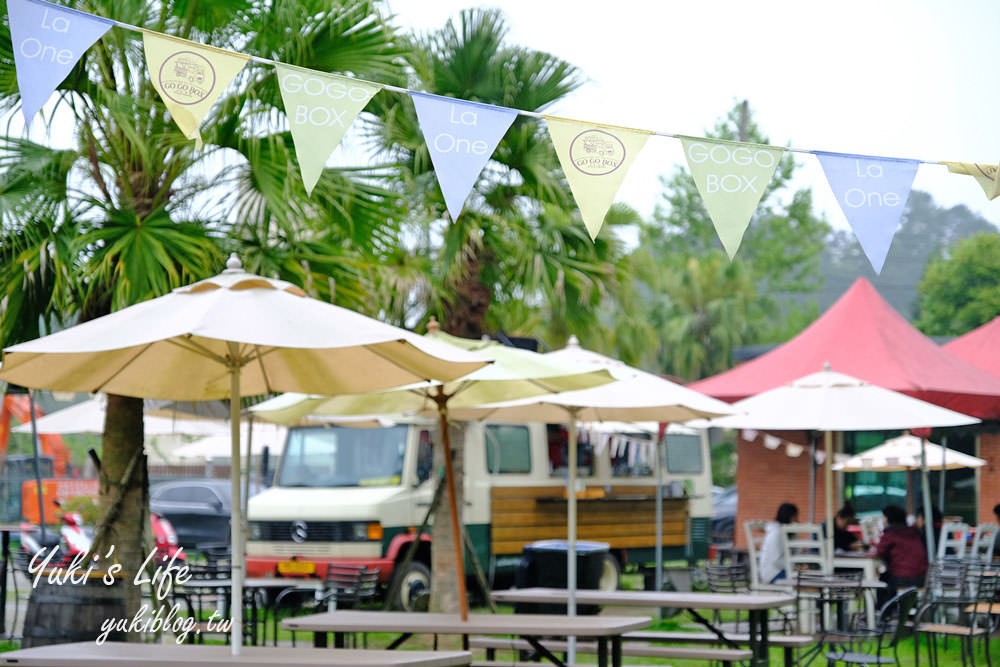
[461,136]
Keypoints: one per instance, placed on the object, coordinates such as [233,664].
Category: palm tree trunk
[124,492]
[468,300]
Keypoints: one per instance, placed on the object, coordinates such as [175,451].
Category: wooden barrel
[60,614]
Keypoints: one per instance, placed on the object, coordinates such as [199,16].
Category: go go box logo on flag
[187,77]
[596,152]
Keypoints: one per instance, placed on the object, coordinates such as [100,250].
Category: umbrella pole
[571,462]
[236,522]
[928,515]
[449,474]
[828,479]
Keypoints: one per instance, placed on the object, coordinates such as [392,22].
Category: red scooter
[75,538]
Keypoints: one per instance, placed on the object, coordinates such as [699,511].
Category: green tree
[961,289]
[926,230]
[701,305]
[131,209]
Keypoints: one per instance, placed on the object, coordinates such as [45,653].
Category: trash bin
[544,564]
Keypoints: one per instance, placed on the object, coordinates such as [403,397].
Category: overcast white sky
[895,78]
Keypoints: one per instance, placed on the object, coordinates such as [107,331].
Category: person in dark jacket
[903,552]
[843,538]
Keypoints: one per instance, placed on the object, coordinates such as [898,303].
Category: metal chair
[730,578]
[344,587]
[959,609]
[870,646]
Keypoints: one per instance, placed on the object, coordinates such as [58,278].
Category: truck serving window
[683,454]
[325,456]
[508,449]
[631,456]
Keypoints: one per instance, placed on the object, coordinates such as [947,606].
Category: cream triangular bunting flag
[731,177]
[595,159]
[189,77]
[987,175]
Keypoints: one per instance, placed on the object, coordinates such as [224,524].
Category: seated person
[843,538]
[903,552]
[772,550]
[996,540]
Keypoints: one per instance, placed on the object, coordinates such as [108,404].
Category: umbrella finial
[432,325]
[233,264]
[573,341]
[826,366]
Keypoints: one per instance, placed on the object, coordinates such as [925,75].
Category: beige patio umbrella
[908,452]
[236,334]
[634,396]
[829,401]
[514,373]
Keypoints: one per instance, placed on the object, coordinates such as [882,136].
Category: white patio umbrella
[828,401]
[908,452]
[88,417]
[233,335]
[514,373]
[261,436]
[635,396]
[904,452]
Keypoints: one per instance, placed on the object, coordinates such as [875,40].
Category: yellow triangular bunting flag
[595,159]
[189,77]
[731,178]
[987,175]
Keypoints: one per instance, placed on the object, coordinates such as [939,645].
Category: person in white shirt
[772,551]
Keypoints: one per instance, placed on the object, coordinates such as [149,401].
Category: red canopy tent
[862,335]
[980,347]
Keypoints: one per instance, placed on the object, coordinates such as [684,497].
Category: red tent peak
[979,347]
[863,336]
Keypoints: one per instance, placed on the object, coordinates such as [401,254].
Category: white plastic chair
[805,547]
[983,545]
[953,540]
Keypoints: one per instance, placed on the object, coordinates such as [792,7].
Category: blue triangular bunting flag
[48,41]
[461,136]
[872,193]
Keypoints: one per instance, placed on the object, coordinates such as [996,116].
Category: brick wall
[766,478]
[989,475]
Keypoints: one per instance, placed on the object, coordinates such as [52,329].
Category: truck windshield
[326,456]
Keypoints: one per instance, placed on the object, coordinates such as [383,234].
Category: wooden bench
[790,643]
[727,656]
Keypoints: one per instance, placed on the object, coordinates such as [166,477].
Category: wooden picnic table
[91,654]
[756,605]
[607,630]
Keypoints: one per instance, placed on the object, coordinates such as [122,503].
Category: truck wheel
[611,573]
[414,588]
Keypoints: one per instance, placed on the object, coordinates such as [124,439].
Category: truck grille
[302,531]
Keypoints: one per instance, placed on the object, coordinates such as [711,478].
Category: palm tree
[131,209]
[515,248]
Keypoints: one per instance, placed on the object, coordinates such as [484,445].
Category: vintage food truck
[358,495]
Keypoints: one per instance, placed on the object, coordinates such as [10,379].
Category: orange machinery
[18,405]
